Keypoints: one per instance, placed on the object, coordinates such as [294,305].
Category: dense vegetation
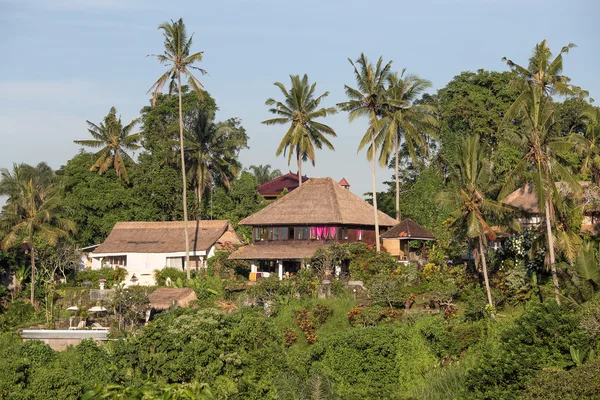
[522,321]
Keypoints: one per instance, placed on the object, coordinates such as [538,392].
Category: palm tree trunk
[185,216]
[550,241]
[377,245]
[485,274]
[32,258]
[398,215]
[299,159]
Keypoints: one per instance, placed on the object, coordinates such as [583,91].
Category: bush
[372,316]
[112,276]
[222,266]
[161,275]
[18,313]
[578,383]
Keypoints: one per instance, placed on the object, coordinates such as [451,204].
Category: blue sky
[66,61]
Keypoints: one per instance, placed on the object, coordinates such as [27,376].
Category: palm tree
[535,134]
[263,173]
[589,143]
[404,120]
[212,151]
[471,171]
[34,209]
[369,100]
[179,61]
[546,74]
[115,140]
[300,108]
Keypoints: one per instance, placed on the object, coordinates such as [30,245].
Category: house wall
[144,264]
[392,246]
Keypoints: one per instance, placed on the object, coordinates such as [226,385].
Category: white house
[142,247]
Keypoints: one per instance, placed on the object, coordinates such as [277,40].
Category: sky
[68,61]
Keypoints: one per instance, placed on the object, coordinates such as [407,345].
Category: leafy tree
[536,135]
[472,210]
[404,120]
[263,173]
[589,144]
[179,60]
[300,108]
[34,209]
[369,100]
[212,152]
[115,139]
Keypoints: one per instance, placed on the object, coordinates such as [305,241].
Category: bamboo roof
[166,237]
[319,201]
[165,298]
[408,229]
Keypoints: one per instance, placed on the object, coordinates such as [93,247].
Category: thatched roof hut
[408,229]
[166,237]
[319,201]
[525,198]
[165,298]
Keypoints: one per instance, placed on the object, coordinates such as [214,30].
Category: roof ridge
[336,202]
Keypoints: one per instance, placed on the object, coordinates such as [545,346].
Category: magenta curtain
[319,232]
[332,230]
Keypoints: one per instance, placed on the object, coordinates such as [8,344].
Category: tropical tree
[589,143]
[405,121]
[263,173]
[471,172]
[212,151]
[535,135]
[179,60]
[114,139]
[34,209]
[300,108]
[369,99]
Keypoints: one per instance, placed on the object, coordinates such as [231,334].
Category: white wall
[142,264]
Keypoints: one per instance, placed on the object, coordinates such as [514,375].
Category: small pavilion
[396,240]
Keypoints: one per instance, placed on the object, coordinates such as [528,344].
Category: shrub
[112,276]
[161,275]
[289,336]
[320,313]
[222,266]
[306,325]
[372,316]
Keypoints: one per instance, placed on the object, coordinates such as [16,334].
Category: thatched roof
[525,197]
[166,237]
[319,201]
[287,251]
[408,229]
[274,187]
[165,298]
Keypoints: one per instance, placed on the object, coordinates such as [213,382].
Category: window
[301,233]
[269,233]
[276,233]
[116,260]
[284,233]
[291,234]
[359,234]
[256,234]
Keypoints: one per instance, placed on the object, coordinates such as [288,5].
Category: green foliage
[221,265]
[18,313]
[386,289]
[365,263]
[161,275]
[130,303]
[540,338]
[577,383]
[112,276]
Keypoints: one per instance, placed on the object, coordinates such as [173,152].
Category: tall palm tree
[535,135]
[212,151]
[179,61]
[369,100]
[471,171]
[263,173]
[404,120]
[300,109]
[34,209]
[589,143]
[115,139]
[546,74]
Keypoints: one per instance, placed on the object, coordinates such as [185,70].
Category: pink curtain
[332,230]
[319,232]
[358,234]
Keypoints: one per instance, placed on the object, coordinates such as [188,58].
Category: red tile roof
[344,183]
[288,181]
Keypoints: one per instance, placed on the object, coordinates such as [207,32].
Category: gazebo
[396,241]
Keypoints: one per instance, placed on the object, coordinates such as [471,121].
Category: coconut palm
[535,134]
[180,61]
[300,108]
[212,151]
[546,74]
[472,173]
[404,120]
[369,100]
[589,143]
[114,139]
[263,173]
[34,209]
